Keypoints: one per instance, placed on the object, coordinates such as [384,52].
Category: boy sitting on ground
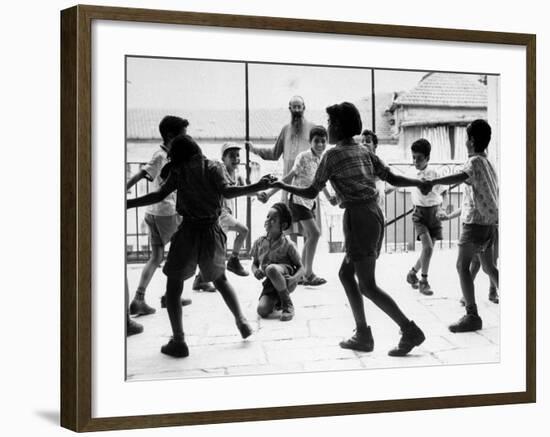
[275,258]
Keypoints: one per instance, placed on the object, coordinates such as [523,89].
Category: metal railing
[138,244]
[400,234]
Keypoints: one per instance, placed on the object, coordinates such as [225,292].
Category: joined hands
[267,181]
[425,186]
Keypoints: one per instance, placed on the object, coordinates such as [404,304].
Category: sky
[174,83]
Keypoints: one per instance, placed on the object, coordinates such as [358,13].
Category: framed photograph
[196,290]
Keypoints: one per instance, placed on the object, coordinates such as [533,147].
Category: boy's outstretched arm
[308,192]
[453,179]
[135,179]
[402,181]
[288,178]
[148,199]
[264,183]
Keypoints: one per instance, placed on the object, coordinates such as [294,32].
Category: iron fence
[400,234]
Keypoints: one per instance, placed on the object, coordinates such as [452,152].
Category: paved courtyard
[310,341]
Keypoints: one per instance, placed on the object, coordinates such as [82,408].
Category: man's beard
[297,120]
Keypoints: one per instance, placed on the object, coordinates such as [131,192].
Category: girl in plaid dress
[352,170]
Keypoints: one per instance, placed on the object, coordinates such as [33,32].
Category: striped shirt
[352,171]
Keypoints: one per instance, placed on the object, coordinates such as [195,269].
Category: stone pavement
[310,341]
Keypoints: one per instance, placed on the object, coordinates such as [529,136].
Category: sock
[179,338]
[471,309]
[140,293]
[235,255]
[414,270]
[424,277]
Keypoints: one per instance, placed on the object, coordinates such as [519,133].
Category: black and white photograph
[287,218]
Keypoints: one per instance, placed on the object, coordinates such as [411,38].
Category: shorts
[267,286]
[481,237]
[227,221]
[197,245]
[425,220]
[162,227]
[363,230]
[300,212]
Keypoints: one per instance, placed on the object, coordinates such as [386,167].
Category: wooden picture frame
[76,217]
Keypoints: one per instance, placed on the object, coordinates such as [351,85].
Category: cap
[229,146]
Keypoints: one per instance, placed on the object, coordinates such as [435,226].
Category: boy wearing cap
[228,222]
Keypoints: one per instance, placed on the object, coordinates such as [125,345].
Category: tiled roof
[446,89]
[142,124]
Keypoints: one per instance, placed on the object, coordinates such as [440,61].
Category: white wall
[29,320]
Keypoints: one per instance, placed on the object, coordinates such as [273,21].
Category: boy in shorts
[476,263]
[352,171]
[275,258]
[199,241]
[426,216]
[161,218]
[302,209]
[479,219]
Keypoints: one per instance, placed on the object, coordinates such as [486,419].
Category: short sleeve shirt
[381,187]
[305,167]
[152,170]
[352,170]
[480,204]
[199,184]
[433,198]
[280,251]
[229,204]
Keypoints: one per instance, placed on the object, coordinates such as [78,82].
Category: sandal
[314,280]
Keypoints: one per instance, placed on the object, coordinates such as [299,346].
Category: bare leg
[355,299]
[465,255]
[266,305]
[276,274]
[311,237]
[365,271]
[233,263]
[157,255]
[229,296]
[475,265]
[427,252]
[174,289]
[242,232]
[489,266]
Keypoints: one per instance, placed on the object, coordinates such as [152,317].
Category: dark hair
[372,135]
[284,213]
[170,126]
[480,132]
[422,146]
[347,117]
[318,131]
[182,149]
